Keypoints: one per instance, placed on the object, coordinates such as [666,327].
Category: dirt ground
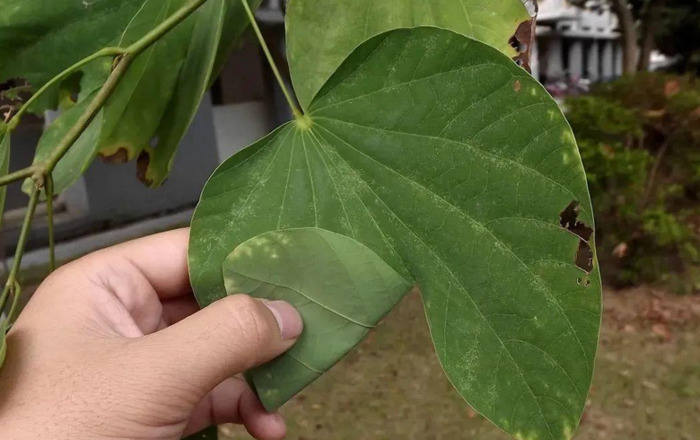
[646,385]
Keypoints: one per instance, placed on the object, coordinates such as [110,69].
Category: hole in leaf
[568,219]
[520,41]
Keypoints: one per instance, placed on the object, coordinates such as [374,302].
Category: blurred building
[575,43]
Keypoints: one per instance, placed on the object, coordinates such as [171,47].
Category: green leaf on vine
[341,288]
[134,111]
[154,104]
[216,27]
[4,163]
[322,33]
[459,171]
[79,157]
[151,110]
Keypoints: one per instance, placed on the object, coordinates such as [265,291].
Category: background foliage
[640,141]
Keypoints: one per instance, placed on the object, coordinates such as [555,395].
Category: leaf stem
[16,294]
[24,233]
[11,284]
[292,104]
[164,27]
[22,174]
[48,189]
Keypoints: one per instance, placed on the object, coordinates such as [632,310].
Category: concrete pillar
[618,59]
[608,60]
[594,61]
[535,61]
[555,59]
[576,59]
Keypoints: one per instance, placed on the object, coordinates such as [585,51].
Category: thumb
[226,338]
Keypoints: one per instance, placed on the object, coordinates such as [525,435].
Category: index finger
[160,258]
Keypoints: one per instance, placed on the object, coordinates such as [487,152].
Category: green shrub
[640,142]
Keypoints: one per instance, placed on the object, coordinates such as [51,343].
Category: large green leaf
[4,163]
[457,168]
[322,33]
[39,39]
[339,286]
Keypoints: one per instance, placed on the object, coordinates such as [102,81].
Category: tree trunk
[629,35]
[650,23]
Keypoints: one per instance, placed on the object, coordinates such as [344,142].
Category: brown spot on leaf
[142,168]
[121,156]
[568,219]
[517,86]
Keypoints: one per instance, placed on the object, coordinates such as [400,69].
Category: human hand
[114,346]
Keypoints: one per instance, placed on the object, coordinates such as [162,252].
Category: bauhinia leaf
[4,163]
[456,168]
[79,157]
[322,33]
[339,286]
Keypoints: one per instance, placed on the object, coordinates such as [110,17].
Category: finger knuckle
[250,322]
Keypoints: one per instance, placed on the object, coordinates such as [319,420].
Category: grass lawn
[646,385]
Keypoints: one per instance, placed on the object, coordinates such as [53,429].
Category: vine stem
[41,173]
[292,104]
[12,285]
[22,174]
[48,189]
